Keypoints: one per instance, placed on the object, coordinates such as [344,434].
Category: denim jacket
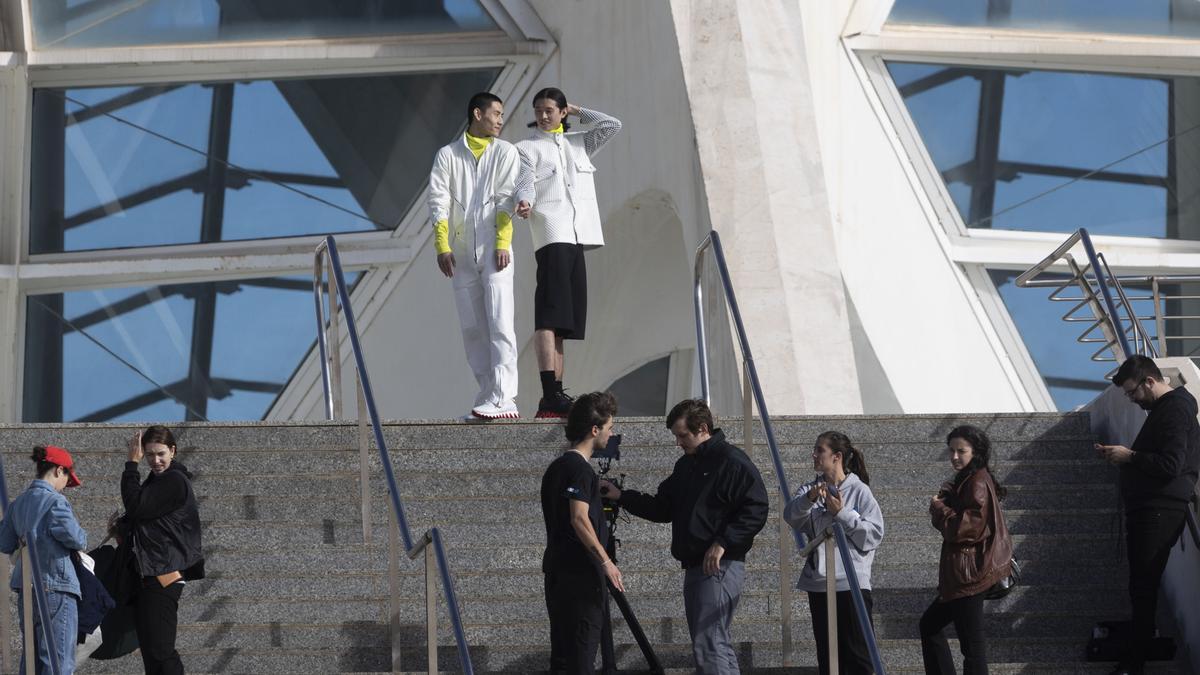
[58,533]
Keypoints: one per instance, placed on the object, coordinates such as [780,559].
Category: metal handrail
[1108,312]
[713,241]
[432,536]
[32,571]
[1096,276]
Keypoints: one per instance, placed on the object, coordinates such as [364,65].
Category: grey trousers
[709,602]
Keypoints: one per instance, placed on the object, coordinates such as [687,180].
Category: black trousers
[853,656]
[574,601]
[967,616]
[157,617]
[1151,535]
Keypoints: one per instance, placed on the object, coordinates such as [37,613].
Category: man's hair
[1137,368]
[560,101]
[589,410]
[481,100]
[694,411]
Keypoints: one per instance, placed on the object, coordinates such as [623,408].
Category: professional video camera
[604,459]
[612,514]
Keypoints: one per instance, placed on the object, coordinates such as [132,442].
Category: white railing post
[431,622]
[831,604]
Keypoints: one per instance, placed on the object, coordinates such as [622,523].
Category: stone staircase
[292,588]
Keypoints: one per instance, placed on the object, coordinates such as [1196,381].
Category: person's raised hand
[833,503]
[524,208]
[1114,454]
[135,447]
[817,491]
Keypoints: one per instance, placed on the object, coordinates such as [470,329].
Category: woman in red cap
[43,509]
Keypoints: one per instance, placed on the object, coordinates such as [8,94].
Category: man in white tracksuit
[557,192]
[471,203]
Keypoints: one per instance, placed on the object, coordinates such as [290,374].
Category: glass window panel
[1055,151]
[1071,376]
[134,354]
[120,167]
[643,392]
[59,24]
[1142,17]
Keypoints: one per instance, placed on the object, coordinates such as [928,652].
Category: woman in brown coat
[976,553]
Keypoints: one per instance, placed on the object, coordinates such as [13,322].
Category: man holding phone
[716,503]
[575,564]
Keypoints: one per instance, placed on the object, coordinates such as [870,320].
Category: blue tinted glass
[1055,151]
[120,167]
[1140,17]
[1071,376]
[212,350]
[59,24]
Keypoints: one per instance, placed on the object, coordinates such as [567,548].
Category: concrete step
[422,505]
[438,434]
[294,589]
[364,653]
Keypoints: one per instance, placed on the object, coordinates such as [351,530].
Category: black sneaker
[557,406]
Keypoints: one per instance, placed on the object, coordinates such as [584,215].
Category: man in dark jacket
[1157,480]
[716,502]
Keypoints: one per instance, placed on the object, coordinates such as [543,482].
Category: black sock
[558,386]
[548,384]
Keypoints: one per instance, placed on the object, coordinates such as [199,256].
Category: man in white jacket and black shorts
[471,190]
[556,191]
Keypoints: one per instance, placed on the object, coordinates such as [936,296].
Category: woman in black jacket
[164,522]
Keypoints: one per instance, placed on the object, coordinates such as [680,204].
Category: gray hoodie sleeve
[863,520]
[798,512]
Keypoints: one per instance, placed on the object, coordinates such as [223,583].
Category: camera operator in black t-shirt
[575,563]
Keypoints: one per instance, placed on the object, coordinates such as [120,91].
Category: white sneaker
[493,411]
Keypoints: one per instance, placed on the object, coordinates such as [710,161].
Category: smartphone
[832,489]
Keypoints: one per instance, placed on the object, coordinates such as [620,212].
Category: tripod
[608,658]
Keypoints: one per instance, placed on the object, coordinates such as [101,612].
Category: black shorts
[560,301]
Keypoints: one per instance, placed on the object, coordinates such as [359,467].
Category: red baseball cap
[59,457]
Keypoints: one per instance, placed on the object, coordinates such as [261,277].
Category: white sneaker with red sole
[492,411]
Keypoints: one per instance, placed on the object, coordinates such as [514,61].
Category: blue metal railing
[713,242]
[28,576]
[433,536]
[1102,291]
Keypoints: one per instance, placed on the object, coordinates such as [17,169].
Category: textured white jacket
[467,194]
[557,179]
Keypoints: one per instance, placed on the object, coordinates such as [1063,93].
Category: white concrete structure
[779,124]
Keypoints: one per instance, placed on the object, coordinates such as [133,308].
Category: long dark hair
[157,433]
[981,454]
[553,94]
[853,460]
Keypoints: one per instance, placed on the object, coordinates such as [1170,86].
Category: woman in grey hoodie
[839,492]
